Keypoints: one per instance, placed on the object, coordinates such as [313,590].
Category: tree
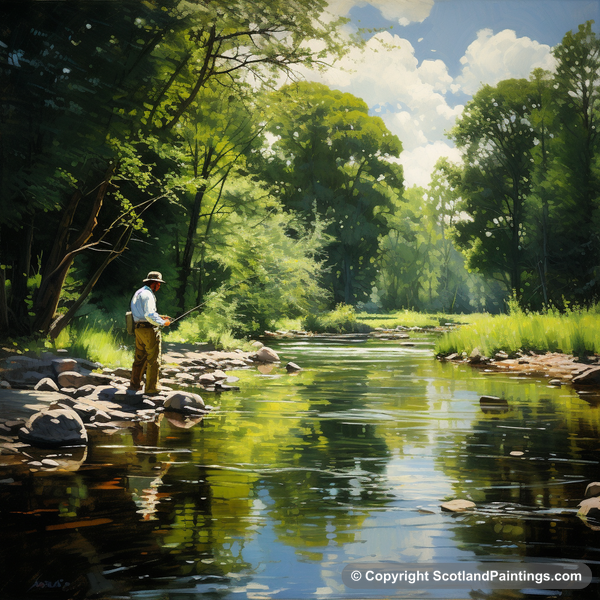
[330,156]
[574,166]
[86,87]
[497,138]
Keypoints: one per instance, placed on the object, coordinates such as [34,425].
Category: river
[297,475]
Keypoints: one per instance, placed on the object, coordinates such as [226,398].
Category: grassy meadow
[575,332]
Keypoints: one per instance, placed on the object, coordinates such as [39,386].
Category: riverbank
[49,405]
[558,368]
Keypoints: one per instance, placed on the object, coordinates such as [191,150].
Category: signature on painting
[50,585]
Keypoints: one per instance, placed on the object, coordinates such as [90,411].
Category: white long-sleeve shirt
[143,307]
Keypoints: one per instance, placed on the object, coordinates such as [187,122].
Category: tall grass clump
[342,319]
[99,345]
[574,331]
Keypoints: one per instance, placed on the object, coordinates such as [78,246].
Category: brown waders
[147,357]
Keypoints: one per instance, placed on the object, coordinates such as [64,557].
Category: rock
[85,390]
[556,382]
[72,379]
[493,404]
[52,428]
[593,489]
[185,402]
[120,372]
[185,377]
[458,505]
[5,385]
[588,377]
[256,344]
[107,393]
[501,355]
[219,375]
[48,462]
[85,411]
[266,354]
[26,363]
[223,387]
[237,363]
[453,356]
[88,364]
[29,377]
[60,365]
[291,367]
[475,356]
[589,508]
[206,379]
[46,385]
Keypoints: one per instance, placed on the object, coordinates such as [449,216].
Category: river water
[295,476]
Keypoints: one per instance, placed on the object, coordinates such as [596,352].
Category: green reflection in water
[295,476]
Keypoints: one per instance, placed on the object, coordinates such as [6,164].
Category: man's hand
[167,320]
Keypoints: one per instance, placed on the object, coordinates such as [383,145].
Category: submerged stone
[458,505]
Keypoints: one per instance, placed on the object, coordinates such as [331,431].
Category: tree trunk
[59,324]
[20,275]
[62,256]
[4,327]
[347,281]
[185,267]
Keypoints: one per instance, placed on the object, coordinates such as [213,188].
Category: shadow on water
[295,476]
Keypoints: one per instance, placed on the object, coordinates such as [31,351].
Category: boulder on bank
[292,367]
[266,354]
[60,365]
[588,377]
[185,402]
[54,427]
[589,508]
[46,385]
[593,489]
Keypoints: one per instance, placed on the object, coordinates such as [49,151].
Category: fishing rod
[185,314]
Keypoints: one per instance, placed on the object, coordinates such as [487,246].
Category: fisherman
[147,323]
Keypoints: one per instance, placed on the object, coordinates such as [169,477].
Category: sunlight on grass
[575,332]
[97,345]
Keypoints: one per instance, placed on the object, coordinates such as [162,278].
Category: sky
[431,56]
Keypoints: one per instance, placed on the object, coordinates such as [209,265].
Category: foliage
[327,156]
[574,332]
[342,319]
[94,97]
[217,324]
[529,182]
[419,266]
[408,318]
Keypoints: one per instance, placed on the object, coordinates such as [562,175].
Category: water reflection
[291,478]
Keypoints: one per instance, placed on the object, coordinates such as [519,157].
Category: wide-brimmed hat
[154,276]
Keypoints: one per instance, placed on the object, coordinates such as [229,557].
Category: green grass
[98,345]
[575,332]
[344,319]
[409,318]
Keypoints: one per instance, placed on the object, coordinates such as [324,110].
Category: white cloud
[402,11]
[419,163]
[492,58]
[411,98]
[386,74]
